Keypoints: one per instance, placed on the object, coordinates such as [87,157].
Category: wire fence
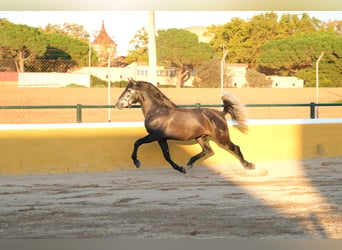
[39,65]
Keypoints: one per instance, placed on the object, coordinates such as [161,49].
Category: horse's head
[129,96]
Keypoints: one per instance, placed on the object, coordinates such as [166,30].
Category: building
[237,73]
[286,82]
[104,46]
[139,71]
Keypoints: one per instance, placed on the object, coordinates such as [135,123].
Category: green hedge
[96,82]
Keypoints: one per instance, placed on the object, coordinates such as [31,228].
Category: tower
[103,45]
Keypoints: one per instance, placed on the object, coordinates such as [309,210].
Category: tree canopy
[257,79]
[289,45]
[76,48]
[24,44]
[140,51]
[181,49]
[244,39]
[297,55]
[69,29]
[20,43]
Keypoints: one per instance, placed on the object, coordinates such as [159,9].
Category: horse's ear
[130,79]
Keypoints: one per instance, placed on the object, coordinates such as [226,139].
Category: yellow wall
[91,149]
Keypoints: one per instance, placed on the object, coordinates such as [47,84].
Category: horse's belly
[185,130]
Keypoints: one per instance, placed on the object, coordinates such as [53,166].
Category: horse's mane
[156,93]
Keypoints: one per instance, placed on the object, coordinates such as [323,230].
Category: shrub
[96,82]
[74,85]
[256,79]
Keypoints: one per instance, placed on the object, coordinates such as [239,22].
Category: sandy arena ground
[279,200]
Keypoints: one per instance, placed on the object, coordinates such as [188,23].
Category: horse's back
[192,123]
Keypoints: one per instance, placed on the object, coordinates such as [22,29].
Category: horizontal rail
[79,107]
[198,105]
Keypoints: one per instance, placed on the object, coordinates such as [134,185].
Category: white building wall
[238,74]
[134,70]
[29,79]
[286,82]
[238,77]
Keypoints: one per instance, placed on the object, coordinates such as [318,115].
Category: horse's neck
[150,103]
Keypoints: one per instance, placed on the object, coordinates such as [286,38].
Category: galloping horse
[164,121]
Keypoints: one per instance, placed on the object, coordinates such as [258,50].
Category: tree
[140,51]
[233,35]
[244,39]
[70,29]
[208,74]
[262,28]
[77,49]
[292,24]
[297,55]
[181,49]
[257,79]
[334,26]
[24,44]
[20,43]
[69,39]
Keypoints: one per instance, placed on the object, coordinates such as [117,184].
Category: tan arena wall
[13,84]
[76,148]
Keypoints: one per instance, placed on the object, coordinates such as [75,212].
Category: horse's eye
[130,91]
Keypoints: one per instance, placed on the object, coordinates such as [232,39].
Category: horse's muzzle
[119,105]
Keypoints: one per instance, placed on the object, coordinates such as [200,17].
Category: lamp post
[111,52]
[317,84]
[89,58]
[223,60]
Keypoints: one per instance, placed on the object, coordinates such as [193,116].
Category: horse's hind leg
[235,149]
[206,149]
[165,148]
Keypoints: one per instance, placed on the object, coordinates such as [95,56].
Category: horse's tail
[235,108]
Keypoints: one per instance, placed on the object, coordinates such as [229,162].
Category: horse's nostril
[118,105]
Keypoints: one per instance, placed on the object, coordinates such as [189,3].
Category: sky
[123,25]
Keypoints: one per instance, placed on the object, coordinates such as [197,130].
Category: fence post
[312,110]
[79,113]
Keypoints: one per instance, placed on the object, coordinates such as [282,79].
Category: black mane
[155,92]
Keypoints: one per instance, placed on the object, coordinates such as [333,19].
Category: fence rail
[80,107]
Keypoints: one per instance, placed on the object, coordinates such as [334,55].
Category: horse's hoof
[188,167]
[137,163]
[250,166]
[182,170]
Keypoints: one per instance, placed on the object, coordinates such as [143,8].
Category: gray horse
[164,121]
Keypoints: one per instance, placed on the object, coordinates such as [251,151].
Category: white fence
[52,79]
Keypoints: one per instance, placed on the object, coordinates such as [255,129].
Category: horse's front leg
[165,148]
[147,139]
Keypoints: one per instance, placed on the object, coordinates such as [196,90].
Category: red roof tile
[103,38]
